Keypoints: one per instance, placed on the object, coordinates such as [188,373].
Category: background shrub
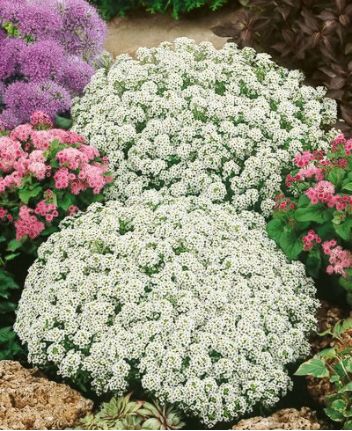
[314,36]
[109,8]
[48,51]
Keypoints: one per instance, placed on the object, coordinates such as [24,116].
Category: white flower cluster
[193,120]
[186,296]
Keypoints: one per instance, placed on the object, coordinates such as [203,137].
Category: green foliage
[335,364]
[124,414]
[110,8]
[9,345]
[312,219]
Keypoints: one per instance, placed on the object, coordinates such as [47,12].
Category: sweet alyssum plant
[312,220]
[335,366]
[187,299]
[45,174]
[189,119]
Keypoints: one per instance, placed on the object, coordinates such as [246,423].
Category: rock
[28,400]
[286,419]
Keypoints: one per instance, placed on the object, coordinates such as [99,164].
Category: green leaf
[347,425]
[314,367]
[66,201]
[346,388]
[341,326]
[14,245]
[334,415]
[62,122]
[336,176]
[325,230]
[328,353]
[313,263]
[26,194]
[344,229]
[11,256]
[347,187]
[303,201]
[274,229]
[314,213]
[339,405]
[290,244]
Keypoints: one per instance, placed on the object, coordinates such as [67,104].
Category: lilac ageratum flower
[8,119]
[2,35]
[77,74]
[24,98]
[10,11]
[47,52]
[83,31]
[39,22]
[43,60]
[10,52]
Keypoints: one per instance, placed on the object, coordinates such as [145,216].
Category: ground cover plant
[45,174]
[188,119]
[334,366]
[186,298]
[48,51]
[312,36]
[123,413]
[109,8]
[312,218]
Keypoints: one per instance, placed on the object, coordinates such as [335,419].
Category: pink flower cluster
[48,211]
[89,175]
[28,224]
[55,160]
[339,259]
[310,240]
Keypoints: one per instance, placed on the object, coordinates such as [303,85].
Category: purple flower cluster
[48,50]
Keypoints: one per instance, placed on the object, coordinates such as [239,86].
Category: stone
[286,419]
[28,400]
[126,34]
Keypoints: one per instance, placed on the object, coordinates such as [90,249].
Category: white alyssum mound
[187,297]
[193,120]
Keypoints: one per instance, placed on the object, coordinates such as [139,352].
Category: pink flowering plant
[45,174]
[312,220]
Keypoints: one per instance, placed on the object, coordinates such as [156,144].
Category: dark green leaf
[62,122]
[344,229]
[303,201]
[314,213]
[339,405]
[313,263]
[291,245]
[334,415]
[26,194]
